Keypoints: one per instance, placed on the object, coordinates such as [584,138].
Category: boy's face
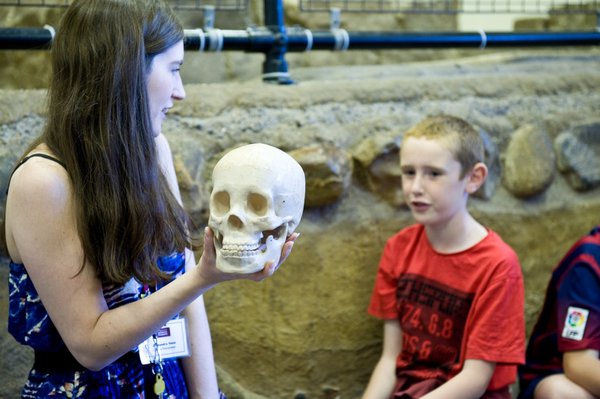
[431,182]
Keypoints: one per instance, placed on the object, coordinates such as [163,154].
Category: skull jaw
[251,264]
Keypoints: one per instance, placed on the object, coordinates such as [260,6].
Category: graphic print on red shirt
[432,317]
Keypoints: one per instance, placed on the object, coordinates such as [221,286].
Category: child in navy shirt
[562,355]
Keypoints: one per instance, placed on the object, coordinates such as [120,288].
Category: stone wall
[306,330]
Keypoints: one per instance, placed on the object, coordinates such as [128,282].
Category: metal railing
[455,6]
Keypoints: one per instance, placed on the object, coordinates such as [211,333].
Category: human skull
[255,205]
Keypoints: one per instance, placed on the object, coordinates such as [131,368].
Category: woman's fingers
[287,248]
[271,267]
[209,243]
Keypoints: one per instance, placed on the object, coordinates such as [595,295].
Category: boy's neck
[456,235]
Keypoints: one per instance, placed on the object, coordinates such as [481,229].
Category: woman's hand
[212,275]
[271,268]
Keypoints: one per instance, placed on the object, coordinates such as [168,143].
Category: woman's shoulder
[40,176]
[38,196]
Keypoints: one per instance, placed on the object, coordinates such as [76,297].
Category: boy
[449,290]
[562,356]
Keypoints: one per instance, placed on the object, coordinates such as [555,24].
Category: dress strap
[28,157]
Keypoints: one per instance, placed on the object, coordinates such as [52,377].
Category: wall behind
[306,329]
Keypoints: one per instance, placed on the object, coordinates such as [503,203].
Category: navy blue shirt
[570,317]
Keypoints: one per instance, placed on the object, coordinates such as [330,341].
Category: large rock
[378,167]
[579,155]
[328,172]
[529,162]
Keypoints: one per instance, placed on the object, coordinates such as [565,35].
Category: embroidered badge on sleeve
[575,323]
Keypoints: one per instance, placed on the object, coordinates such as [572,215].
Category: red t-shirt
[452,307]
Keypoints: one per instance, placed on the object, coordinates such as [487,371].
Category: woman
[94,223]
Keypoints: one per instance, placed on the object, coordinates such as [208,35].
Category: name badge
[171,341]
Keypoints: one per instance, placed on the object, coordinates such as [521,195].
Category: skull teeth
[241,251]
[235,250]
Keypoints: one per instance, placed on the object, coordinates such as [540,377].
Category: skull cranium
[256,203]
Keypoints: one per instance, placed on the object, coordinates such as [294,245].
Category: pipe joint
[341,38]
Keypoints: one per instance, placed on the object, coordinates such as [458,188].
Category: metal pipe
[299,40]
[276,41]
[327,40]
[25,38]
[275,68]
[262,40]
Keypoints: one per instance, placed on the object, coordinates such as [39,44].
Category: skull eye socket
[220,202]
[258,204]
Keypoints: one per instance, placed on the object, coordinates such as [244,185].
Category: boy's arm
[583,368]
[471,382]
[383,379]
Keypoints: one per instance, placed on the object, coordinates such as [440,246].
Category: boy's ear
[476,177]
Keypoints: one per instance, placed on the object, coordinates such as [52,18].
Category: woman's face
[164,84]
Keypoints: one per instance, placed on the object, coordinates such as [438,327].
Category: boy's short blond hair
[458,135]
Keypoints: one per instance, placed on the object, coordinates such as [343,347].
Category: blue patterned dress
[29,323]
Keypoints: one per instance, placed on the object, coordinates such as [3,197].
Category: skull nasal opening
[235,222]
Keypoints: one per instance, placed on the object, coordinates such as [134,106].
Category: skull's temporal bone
[256,203]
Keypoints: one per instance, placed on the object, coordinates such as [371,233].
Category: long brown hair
[99,126]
